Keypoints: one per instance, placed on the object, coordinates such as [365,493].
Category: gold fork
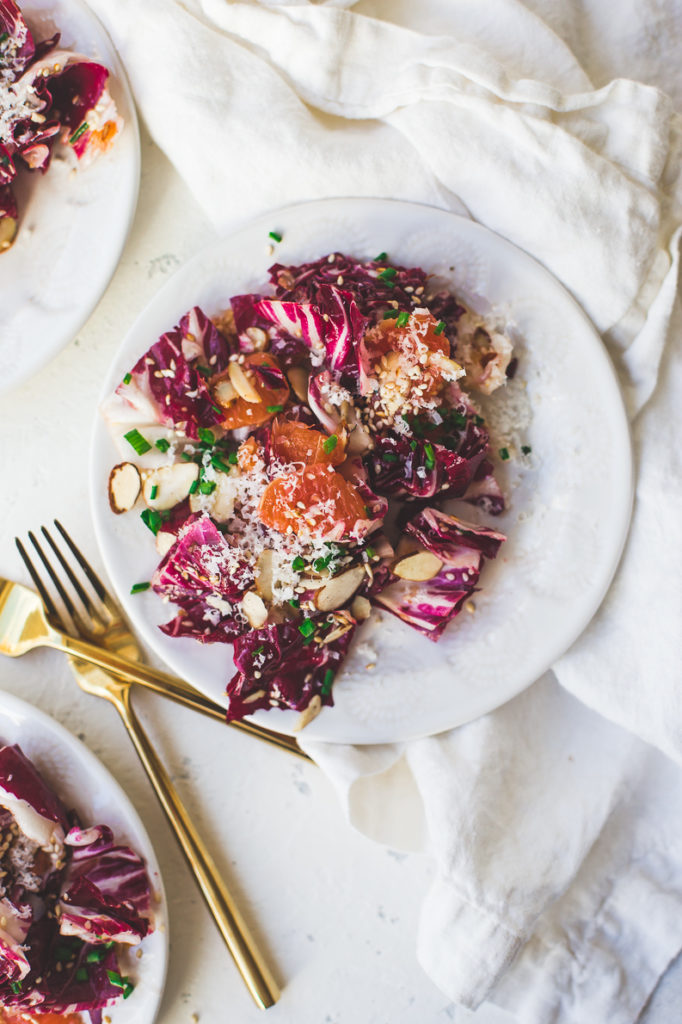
[14,604]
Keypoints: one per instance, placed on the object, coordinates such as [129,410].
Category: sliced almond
[339,589]
[264,571]
[298,378]
[224,393]
[307,715]
[359,440]
[360,608]
[257,337]
[253,697]
[164,542]
[254,608]
[420,567]
[242,384]
[124,487]
[172,484]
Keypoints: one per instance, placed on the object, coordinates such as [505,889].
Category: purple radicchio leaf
[445,535]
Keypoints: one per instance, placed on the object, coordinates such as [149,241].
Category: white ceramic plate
[85,785]
[73,224]
[569,502]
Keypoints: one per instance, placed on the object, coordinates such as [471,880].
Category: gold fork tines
[84,615]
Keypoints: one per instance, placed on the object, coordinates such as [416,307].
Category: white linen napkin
[555,831]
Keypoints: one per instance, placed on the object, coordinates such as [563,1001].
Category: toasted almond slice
[253,697]
[242,384]
[164,542]
[124,487]
[257,337]
[224,393]
[339,589]
[264,574]
[420,567]
[172,484]
[254,608]
[307,715]
[298,378]
[360,608]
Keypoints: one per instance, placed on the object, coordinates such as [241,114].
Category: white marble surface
[336,913]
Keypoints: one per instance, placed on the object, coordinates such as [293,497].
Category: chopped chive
[81,974]
[274,408]
[206,436]
[78,132]
[390,314]
[307,628]
[403,319]
[295,603]
[15,986]
[526,449]
[275,236]
[216,408]
[205,371]
[327,682]
[330,444]
[321,563]
[116,979]
[389,457]
[440,327]
[138,442]
[96,955]
[429,455]
[207,486]
[218,464]
[162,444]
[151,519]
[128,989]
[232,458]
[259,650]
[4,37]
[370,551]
[127,379]
[154,491]
[381,258]
[413,445]
[479,421]
[504,454]
[194,486]
[186,457]
[388,274]
[137,588]
[298,564]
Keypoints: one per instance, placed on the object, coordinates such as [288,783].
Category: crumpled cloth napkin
[556,832]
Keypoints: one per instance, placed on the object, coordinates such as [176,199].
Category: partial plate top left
[85,785]
[74,223]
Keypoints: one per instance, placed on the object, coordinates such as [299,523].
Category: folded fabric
[554,831]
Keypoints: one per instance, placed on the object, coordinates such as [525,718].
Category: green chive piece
[275,236]
[205,371]
[81,974]
[162,444]
[389,457]
[138,442]
[232,458]
[327,682]
[403,319]
[78,132]
[440,327]
[429,455]
[479,421]
[186,457]
[526,449]
[154,491]
[207,486]
[127,379]
[137,588]
[298,564]
[295,603]
[390,314]
[274,408]
[116,979]
[413,445]
[320,564]
[218,464]
[381,258]
[307,628]
[151,519]
[504,454]
[15,986]
[194,487]
[206,436]
[4,37]
[370,551]
[259,650]
[95,956]
[128,989]
[388,274]
[330,444]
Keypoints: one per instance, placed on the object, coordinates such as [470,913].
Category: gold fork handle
[225,912]
[164,684]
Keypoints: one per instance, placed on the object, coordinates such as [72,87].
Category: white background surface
[337,913]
